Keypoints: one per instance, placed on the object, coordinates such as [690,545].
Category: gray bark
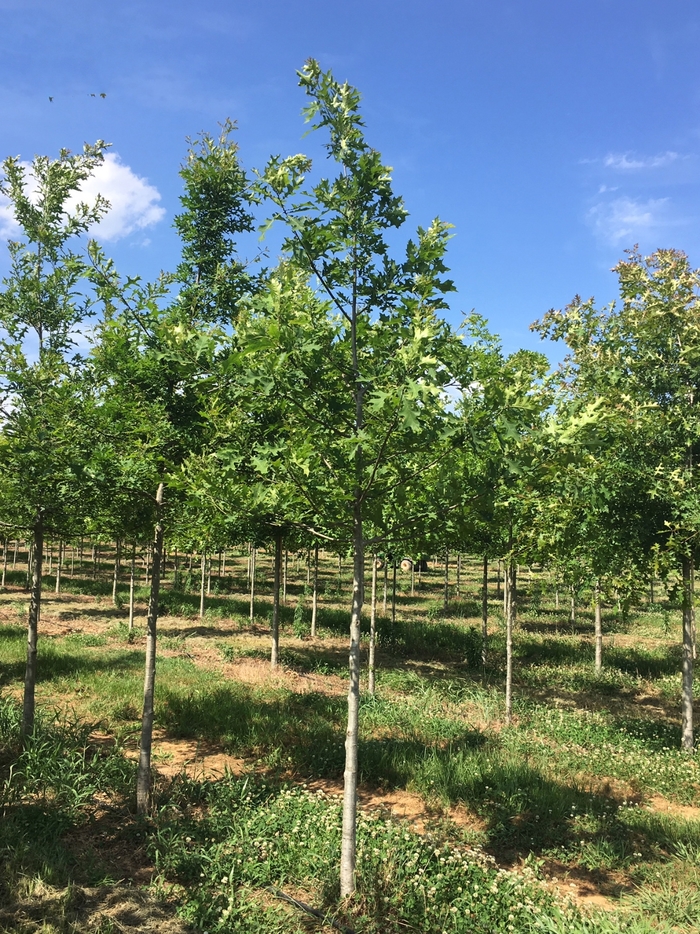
[132,578]
[59,564]
[485,611]
[511,596]
[447,578]
[4,563]
[37,552]
[314,603]
[687,739]
[253,556]
[143,775]
[598,630]
[275,630]
[202,584]
[373,627]
[117,568]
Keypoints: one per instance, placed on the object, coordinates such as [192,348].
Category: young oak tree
[385,359]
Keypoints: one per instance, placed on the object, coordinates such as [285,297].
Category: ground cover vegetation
[255,462]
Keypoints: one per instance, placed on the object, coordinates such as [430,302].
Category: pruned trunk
[314,601]
[202,584]
[284,576]
[485,611]
[393,593]
[132,581]
[687,739]
[117,568]
[510,589]
[253,556]
[59,564]
[349,829]
[209,576]
[386,583]
[373,626]
[598,630]
[143,774]
[447,578]
[459,575]
[275,629]
[36,555]
[14,557]
[4,563]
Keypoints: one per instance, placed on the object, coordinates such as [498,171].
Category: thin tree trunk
[687,739]
[349,830]
[485,611]
[393,594]
[447,578]
[386,582]
[94,561]
[253,554]
[314,599]
[72,561]
[284,580]
[498,581]
[308,567]
[373,625]
[59,562]
[459,574]
[117,568]
[132,579]
[275,631]
[143,775]
[572,614]
[209,576]
[37,548]
[598,630]
[202,584]
[14,557]
[340,573]
[4,563]
[511,596]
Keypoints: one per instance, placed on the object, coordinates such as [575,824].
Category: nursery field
[582,815]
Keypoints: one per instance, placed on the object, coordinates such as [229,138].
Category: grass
[571,789]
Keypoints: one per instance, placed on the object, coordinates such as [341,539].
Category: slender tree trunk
[340,573]
[202,584]
[572,614]
[511,596]
[498,581]
[72,561]
[4,563]
[447,578]
[94,561]
[598,630]
[314,601]
[459,575]
[132,580]
[373,626]
[37,549]
[386,583]
[485,611]
[117,568]
[413,578]
[59,563]
[275,631]
[49,550]
[393,594]
[308,567]
[209,576]
[284,580]
[349,830]
[253,555]
[143,775]
[687,739]
[14,557]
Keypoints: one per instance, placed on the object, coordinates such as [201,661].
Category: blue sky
[552,133]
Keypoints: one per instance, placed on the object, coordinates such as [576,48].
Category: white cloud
[629,220]
[133,201]
[626,162]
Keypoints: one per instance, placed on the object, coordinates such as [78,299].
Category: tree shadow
[52,664]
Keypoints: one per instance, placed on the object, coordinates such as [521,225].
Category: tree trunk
[4,563]
[373,625]
[349,831]
[459,575]
[253,555]
[59,563]
[284,579]
[510,577]
[37,549]
[132,579]
[143,775]
[687,740]
[314,603]
[598,630]
[447,578]
[202,584]
[117,568]
[94,561]
[498,581]
[485,611]
[340,574]
[275,631]
[14,557]
[209,576]
[386,583]
[572,613]
[393,594]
